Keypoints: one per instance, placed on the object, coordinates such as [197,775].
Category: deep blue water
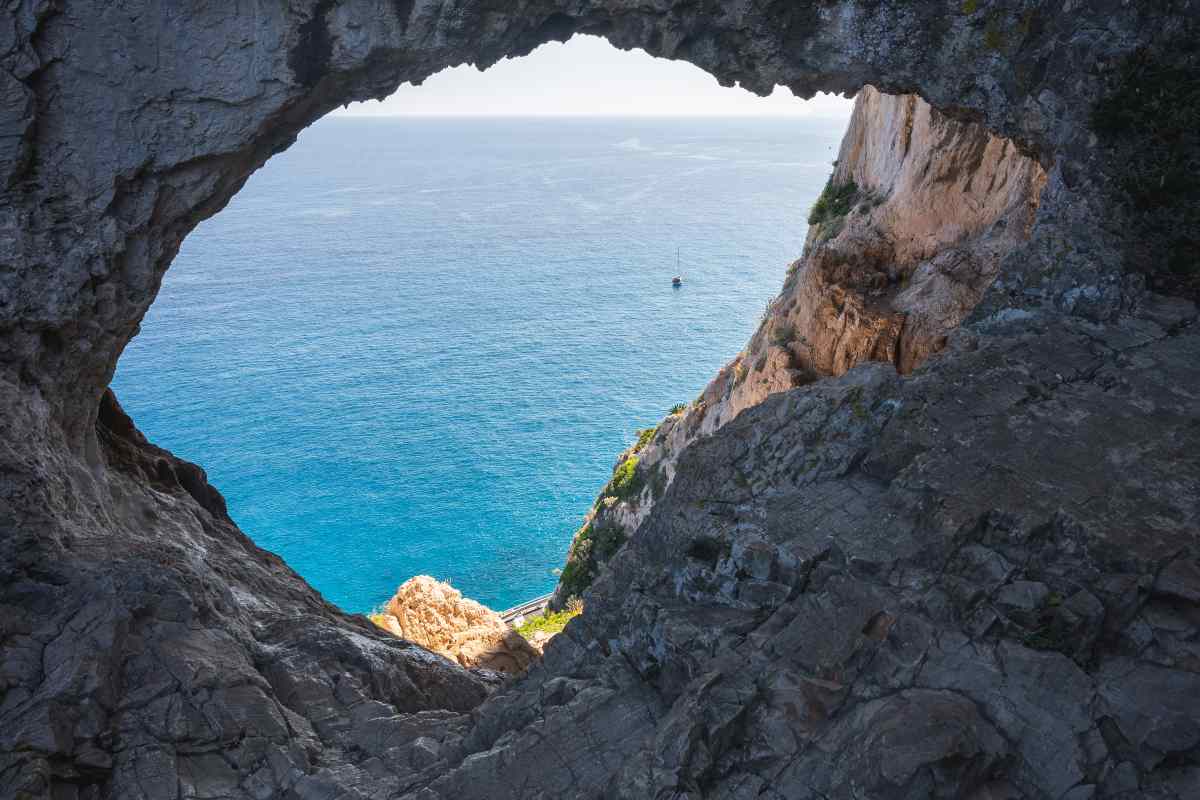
[417,345]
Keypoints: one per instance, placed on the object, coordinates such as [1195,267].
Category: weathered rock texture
[970,583]
[931,207]
[436,616]
[149,649]
[979,580]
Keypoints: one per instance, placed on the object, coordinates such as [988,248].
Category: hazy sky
[587,75]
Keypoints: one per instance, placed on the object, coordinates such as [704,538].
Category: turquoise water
[417,346]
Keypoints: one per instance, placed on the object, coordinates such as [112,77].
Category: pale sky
[588,76]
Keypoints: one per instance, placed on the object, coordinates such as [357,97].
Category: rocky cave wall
[859,587]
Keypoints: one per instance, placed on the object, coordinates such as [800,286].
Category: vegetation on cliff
[593,545]
[835,202]
[626,481]
[550,623]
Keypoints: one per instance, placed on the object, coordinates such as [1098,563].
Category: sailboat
[677,281]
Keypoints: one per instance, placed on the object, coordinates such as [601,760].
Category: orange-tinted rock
[436,616]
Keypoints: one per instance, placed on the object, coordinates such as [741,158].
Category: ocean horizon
[416,345]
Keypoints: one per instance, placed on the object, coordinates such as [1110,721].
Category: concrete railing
[517,614]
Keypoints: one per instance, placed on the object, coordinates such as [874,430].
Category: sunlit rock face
[436,616]
[976,580]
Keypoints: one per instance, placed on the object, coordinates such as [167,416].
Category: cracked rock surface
[979,580]
[975,582]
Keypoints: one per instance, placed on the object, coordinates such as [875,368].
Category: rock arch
[862,583]
[123,128]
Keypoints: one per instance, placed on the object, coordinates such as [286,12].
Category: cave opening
[413,343]
[1015,500]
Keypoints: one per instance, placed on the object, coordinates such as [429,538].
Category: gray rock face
[149,648]
[859,589]
[977,581]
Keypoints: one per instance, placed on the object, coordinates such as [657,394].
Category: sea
[417,345]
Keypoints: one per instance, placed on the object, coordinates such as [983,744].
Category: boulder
[436,616]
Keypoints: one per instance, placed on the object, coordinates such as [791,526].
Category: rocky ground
[960,584]
[977,580]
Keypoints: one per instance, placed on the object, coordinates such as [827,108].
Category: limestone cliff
[980,579]
[436,616]
[907,236]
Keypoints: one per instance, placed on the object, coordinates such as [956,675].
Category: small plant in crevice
[993,33]
[626,481]
[835,202]
[678,408]
[645,436]
[767,309]
[854,398]
[782,333]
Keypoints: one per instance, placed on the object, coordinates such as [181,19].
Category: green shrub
[835,202]
[607,541]
[591,548]
[782,333]
[645,436]
[625,481]
[993,33]
[678,408]
[574,578]
[551,622]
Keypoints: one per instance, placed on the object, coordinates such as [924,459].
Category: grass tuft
[551,622]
